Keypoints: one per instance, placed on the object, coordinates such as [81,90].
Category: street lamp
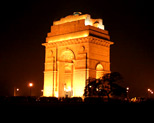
[42,92]
[150,92]
[16,91]
[30,86]
[127,90]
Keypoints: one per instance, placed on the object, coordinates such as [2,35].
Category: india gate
[76,48]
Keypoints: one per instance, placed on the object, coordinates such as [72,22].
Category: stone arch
[67,55]
[99,67]
[67,58]
[99,70]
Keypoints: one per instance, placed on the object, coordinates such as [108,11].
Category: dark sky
[25,24]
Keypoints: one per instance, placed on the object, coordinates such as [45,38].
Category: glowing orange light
[134,99]
[67,89]
[30,84]
[149,90]
[127,88]
[66,63]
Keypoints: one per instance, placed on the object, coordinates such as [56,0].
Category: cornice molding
[89,39]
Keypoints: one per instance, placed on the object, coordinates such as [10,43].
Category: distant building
[78,47]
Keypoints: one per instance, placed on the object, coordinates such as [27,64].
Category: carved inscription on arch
[67,56]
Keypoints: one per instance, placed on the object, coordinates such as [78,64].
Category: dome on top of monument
[77,13]
[79,16]
[75,17]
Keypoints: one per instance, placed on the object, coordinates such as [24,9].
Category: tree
[105,86]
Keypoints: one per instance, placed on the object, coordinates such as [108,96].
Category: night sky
[25,24]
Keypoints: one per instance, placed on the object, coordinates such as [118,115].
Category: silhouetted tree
[105,86]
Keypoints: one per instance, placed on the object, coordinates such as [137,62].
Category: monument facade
[78,47]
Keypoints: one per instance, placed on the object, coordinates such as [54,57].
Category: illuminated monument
[78,47]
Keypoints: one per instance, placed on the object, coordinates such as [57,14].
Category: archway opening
[67,59]
[99,71]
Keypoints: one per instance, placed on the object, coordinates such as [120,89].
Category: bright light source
[17,89]
[67,89]
[127,88]
[30,84]
[150,91]
[97,89]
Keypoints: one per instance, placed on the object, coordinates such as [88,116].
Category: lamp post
[42,92]
[30,86]
[149,92]
[16,90]
[127,91]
